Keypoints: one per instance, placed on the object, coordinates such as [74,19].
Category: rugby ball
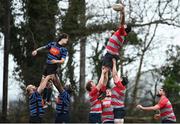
[117,7]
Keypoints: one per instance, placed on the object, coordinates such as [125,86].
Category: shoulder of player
[37,93]
[63,49]
[93,91]
[34,95]
[163,99]
[51,43]
[121,30]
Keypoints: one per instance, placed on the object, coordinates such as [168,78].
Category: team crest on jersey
[54,51]
[106,103]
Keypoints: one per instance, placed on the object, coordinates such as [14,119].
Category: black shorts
[95,118]
[110,122]
[107,59]
[35,119]
[119,113]
[50,69]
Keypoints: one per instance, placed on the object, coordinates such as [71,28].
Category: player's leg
[119,114]
[57,83]
[49,94]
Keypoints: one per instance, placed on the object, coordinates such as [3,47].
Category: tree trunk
[6,60]
[137,81]
[82,68]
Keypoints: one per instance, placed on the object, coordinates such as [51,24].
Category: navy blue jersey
[56,52]
[63,102]
[35,105]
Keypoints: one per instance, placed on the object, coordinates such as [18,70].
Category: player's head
[89,85]
[63,39]
[108,93]
[125,80]
[30,89]
[128,28]
[161,92]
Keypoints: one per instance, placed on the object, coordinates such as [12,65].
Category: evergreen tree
[171,72]
[37,30]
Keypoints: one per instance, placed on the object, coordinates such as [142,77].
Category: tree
[2,14]
[147,21]
[6,58]
[171,74]
[74,23]
[38,27]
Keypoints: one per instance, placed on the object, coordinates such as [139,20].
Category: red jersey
[118,95]
[166,110]
[116,41]
[107,110]
[94,102]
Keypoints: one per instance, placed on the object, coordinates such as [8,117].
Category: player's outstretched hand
[139,107]
[157,116]
[34,52]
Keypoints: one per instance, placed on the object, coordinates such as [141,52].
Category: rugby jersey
[116,41]
[107,110]
[166,110]
[35,104]
[56,52]
[118,95]
[95,103]
[63,102]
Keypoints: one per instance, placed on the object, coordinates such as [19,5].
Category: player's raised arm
[122,16]
[101,80]
[44,83]
[38,49]
[115,76]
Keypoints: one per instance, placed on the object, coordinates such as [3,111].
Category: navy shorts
[119,113]
[107,59]
[50,69]
[62,118]
[95,118]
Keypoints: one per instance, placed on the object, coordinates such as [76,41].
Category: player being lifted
[57,53]
[117,39]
